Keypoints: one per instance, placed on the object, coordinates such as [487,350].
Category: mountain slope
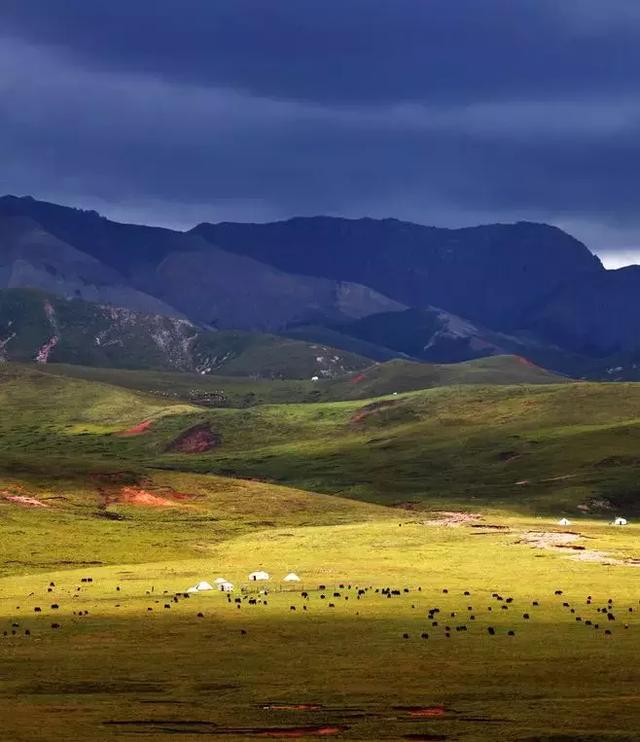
[165,272]
[36,326]
[599,316]
[367,286]
[224,290]
[31,257]
[490,274]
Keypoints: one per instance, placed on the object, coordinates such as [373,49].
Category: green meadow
[445,497]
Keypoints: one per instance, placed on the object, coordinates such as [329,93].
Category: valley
[439,597]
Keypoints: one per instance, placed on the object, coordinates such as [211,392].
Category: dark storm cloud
[440,111]
[351,51]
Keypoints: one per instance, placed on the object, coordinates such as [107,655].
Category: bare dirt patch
[557,540]
[452,519]
[327,730]
[198,439]
[602,557]
[293,707]
[548,539]
[141,497]
[23,500]
[423,712]
[138,429]
[372,409]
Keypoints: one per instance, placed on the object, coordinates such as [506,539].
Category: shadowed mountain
[490,274]
[370,287]
[79,253]
[31,257]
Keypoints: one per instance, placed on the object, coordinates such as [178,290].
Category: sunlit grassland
[518,456]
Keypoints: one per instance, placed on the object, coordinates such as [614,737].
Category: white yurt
[220,580]
[620,521]
[257,576]
[225,587]
[291,577]
[202,586]
[564,522]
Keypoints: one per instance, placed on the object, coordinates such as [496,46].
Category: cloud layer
[177,111]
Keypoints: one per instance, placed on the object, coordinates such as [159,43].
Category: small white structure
[564,522]
[291,577]
[315,378]
[257,576]
[200,587]
[225,587]
[220,581]
[620,522]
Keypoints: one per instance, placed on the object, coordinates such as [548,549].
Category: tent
[220,581]
[203,586]
[200,587]
[291,577]
[256,576]
[620,522]
[225,587]
[564,522]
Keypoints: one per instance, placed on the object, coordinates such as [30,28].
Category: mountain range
[372,288]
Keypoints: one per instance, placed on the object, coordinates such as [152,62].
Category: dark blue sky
[445,112]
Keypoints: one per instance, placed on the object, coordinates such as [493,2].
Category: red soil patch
[357,379]
[25,501]
[138,429]
[294,707]
[296,732]
[137,496]
[198,439]
[428,712]
[372,409]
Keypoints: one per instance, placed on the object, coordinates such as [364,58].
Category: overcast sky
[445,112]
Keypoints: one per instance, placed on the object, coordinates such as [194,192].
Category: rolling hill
[219,390]
[526,448]
[47,329]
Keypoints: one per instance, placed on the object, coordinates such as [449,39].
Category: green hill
[220,390]
[38,327]
[534,448]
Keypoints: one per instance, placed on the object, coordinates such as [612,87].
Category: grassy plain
[341,668]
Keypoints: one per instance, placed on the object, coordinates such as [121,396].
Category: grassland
[219,390]
[342,667]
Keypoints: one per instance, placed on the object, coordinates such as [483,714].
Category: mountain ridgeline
[375,288]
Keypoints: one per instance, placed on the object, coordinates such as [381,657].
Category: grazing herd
[445,620]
